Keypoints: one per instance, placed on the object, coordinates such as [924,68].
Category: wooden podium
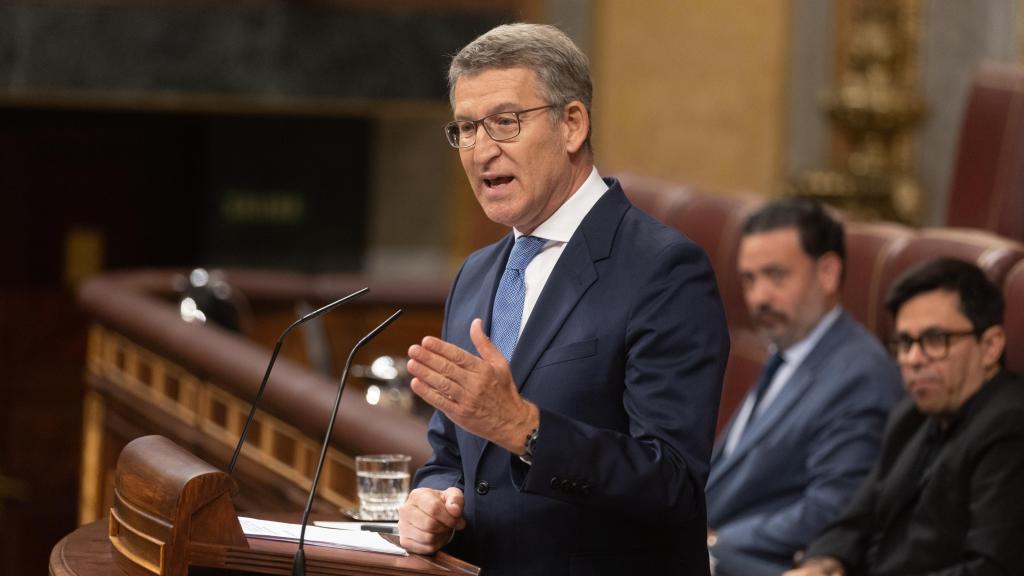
[172,510]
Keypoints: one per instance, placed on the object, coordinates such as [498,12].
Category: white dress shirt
[793,357]
[557,230]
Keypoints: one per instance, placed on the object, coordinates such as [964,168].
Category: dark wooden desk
[84,552]
[87,552]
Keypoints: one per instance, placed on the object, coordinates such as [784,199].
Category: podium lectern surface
[87,552]
[84,552]
[172,512]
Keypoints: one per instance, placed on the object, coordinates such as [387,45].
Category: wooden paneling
[692,91]
[42,343]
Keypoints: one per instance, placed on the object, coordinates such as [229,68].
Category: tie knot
[523,251]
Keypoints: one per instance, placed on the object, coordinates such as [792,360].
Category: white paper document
[315,535]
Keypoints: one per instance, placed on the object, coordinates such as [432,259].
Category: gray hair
[561,67]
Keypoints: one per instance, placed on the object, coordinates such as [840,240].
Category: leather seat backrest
[869,248]
[994,254]
[987,190]
[1013,293]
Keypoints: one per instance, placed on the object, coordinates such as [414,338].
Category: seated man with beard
[808,432]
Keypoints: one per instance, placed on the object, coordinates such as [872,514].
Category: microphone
[273,358]
[299,562]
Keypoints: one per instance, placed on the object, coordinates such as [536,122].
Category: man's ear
[993,342]
[830,272]
[576,123]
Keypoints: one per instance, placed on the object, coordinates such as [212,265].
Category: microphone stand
[270,366]
[299,562]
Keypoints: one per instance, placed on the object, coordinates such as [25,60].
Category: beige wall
[692,90]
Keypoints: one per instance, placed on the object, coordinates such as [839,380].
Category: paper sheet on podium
[349,539]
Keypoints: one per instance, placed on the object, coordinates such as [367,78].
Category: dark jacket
[941,503]
[624,354]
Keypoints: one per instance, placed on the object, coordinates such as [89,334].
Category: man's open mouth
[494,182]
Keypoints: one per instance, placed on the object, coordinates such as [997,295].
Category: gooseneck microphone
[270,366]
[299,562]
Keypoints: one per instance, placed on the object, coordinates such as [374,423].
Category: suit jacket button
[565,485]
[574,487]
[556,483]
[482,487]
[585,489]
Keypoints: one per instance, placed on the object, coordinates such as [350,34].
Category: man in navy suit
[809,431]
[579,368]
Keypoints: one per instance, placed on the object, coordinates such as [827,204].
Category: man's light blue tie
[507,314]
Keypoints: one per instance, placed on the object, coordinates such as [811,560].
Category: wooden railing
[148,371]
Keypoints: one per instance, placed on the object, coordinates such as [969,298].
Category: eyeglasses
[934,343]
[501,127]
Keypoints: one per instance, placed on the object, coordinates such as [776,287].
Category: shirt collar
[561,225]
[796,353]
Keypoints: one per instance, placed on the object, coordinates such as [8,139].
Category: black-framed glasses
[501,127]
[934,343]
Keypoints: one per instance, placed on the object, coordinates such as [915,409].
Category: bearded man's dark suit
[624,354]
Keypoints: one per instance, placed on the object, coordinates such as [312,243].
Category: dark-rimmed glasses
[934,343]
[501,127]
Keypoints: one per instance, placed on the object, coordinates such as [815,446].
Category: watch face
[531,441]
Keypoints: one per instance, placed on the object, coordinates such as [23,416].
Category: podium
[172,510]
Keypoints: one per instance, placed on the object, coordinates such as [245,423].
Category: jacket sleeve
[444,468]
[675,349]
[846,539]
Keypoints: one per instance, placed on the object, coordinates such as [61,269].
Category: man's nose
[758,294]
[485,147]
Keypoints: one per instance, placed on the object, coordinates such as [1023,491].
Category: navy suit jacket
[799,464]
[624,354]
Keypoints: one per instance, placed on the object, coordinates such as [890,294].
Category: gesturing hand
[429,518]
[476,393]
[819,566]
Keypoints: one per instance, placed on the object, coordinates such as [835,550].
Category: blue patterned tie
[507,314]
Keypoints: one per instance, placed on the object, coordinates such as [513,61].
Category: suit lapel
[572,276]
[903,481]
[481,307]
[716,451]
[776,412]
[786,402]
[570,279]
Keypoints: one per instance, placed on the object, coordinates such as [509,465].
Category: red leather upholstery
[1013,291]
[877,253]
[654,196]
[869,250]
[988,183]
[992,253]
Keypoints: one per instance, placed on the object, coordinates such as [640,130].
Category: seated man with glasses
[947,495]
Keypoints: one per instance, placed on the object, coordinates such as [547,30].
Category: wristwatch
[531,443]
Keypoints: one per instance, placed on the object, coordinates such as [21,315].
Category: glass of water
[383,485]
